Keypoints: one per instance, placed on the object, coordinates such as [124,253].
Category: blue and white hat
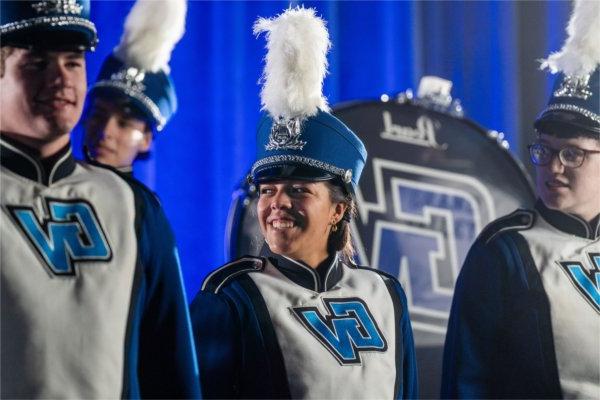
[138,67]
[574,105]
[152,93]
[47,24]
[297,136]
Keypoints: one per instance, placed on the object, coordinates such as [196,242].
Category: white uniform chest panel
[317,369]
[575,320]
[64,334]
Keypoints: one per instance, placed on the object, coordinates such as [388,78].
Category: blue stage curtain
[486,48]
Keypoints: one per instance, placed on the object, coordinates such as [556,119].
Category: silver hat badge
[57,7]
[574,86]
[285,134]
[131,77]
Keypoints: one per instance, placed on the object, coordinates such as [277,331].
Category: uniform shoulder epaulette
[377,271]
[139,187]
[518,220]
[135,185]
[219,277]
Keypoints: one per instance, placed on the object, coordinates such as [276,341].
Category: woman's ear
[340,209]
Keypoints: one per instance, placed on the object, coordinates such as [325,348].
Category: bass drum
[432,182]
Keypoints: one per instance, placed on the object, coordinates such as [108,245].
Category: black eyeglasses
[571,156]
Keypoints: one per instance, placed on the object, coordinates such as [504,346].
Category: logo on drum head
[422,135]
[285,134]
[418,224]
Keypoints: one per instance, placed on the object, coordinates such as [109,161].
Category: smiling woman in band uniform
[302,320]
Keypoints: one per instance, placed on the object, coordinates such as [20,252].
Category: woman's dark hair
[341,239]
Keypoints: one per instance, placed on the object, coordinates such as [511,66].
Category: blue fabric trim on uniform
[237,362]
[160,310]
[274,356]
[516,221]
[551,389]
[499,304]
[187,314]
[406,386]
[377,271]
[131,388]
[218,335]
[398,313]
[218,278]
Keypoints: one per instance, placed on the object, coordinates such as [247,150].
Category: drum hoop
[348,105]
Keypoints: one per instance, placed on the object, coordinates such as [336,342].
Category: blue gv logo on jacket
[586,278]
[348,329]
[71,234]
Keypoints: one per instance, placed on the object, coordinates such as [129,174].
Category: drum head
[432,182]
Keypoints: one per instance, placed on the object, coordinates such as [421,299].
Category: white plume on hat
[580,54]
[151,30]
[296,63]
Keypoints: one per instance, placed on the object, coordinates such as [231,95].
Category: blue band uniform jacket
[272,327]
[92,298]
[525,319]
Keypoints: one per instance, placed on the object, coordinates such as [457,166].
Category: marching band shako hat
[322,148]
[574,105]
[151,93]
[138,68]
[297,137]
[47,24]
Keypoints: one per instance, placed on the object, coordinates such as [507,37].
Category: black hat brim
[278,172]
[52,38]
[129,105]
[563,123]
[298,172]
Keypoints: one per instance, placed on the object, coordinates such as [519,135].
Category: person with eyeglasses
[525,319]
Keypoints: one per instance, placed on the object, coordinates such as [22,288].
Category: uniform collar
[124,171]
[26,162]
[321,279]
[569,223]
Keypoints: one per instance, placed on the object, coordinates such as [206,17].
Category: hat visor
[564,123]
[298,172]
[59,38]
[278,172]
[129,105]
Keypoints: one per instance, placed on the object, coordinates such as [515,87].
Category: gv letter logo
[585,278]
[71,234]
[346,331]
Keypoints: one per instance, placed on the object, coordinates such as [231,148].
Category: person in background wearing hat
[302,320]
[525,319]
[92,304]
[134,97]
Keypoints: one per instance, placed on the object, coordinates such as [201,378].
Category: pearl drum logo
[423,134]
[71,234]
